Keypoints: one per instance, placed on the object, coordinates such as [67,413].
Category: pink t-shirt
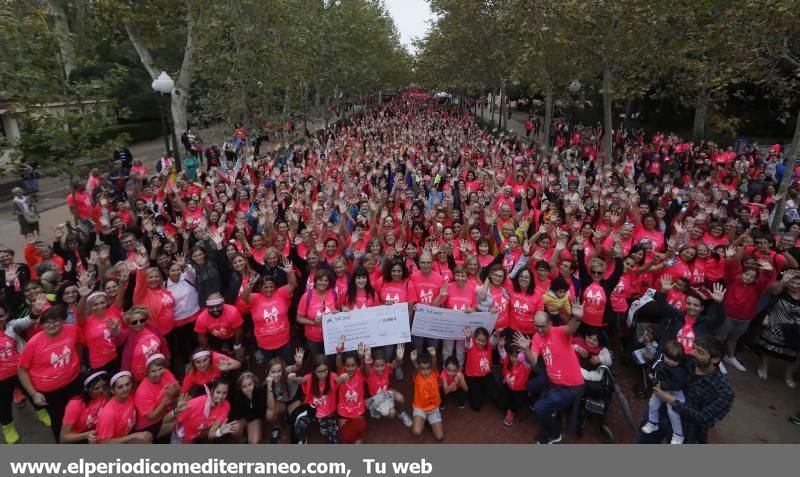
[147,344]
[193,421]
[9,356]
[394,292]
[378,384]
[479,361]
[521,309]
[271,318]
[594,304]
[223,327]
[116,419]
[148,396]
[326,403]
[351,396]
[621,292]
[460,299]
[99,340]
[500,300]
[53,362]
[81,416]
[427,287]
[199,378]
[515,378]
[316,307]
[362,300]
[563,367]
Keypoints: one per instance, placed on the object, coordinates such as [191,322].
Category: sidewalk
[515,125]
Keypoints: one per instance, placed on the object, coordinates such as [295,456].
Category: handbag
[31,217]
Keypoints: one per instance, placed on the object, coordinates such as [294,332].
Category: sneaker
[722,368]
[762,374]
[406,419]
[43,417]
[795,419]
[649,428]
[676,439]
[398,373]
[10,433]
[735,363]
[442,406]
[461,405]
[275,435]
[509,419]
[790,383]
[551,440]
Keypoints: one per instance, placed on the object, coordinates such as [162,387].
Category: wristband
[219,433]
[237,347]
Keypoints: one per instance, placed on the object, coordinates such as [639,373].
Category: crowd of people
[187,307]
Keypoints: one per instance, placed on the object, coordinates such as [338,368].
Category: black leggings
[480,389]
[57,402]
[7,399]
[510,400]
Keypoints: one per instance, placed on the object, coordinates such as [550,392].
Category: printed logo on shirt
[271,315]
[484,364]
[520,307]
[61,360]
[319,401]
[219,332]
[351,396]
[594,296]
[426,297]
[392,299]
[149,348]
[7,351]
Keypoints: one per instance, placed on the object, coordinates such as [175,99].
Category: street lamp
[164,85]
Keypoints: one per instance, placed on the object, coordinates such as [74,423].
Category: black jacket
[671,378]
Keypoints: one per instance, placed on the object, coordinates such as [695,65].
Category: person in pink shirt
[481,385]
[458,296]
[155,398]
[270,312]
[220,327]
[351,401]
[317,302]
[205,417]
[100,329]
[117,418]
[150,293]
[320,389]
[206,367]
[80,416]
[563,381]
[523,303]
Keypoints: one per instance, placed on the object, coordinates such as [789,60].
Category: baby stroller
[594,405]
[642,389]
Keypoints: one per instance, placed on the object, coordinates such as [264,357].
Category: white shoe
[762,375]
[735,363]
[722,368]
[649,428]
[676,439]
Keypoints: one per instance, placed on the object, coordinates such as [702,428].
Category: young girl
[283,396]
[319,388]
[384,401]
[453,382]
[155,397]
[350,405]
[248,407]
[117,418]
[426,394]
[460,297]
[207,366]
[514,391]
[478,368]
[204,417]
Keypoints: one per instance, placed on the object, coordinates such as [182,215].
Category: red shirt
[53,362]
[148,396]
[199,378]
[326,403]
[195,421]
[478,361]
[515,378]
[102,349]
[521,309]
[563,367]
[500,300]
[222,327]
[316,307]
[9,356]
[271,318]
[594,304]
[460,299]
[378,384]
[686,335]
[116,419]
[147,344]
[427,288]
[396,292]
[362,300]
[82,201]
[351,396]
[81,416]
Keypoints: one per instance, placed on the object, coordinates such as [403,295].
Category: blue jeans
[549,399]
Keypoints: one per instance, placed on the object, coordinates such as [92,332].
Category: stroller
[594,404]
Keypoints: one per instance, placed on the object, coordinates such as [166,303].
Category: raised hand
[730,252]
[299,353]
[521,340]
[765,265]
[666,282]
[414,355]
[432,351]
[400,351]
[577,307]
[718,292]
[468,332]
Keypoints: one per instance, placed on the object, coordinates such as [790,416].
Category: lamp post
[164,85]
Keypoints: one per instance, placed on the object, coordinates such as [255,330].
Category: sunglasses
[138,322]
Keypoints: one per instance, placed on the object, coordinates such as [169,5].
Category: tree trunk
[627,118]
[791,164]
[608,125]
[699,127]
[502,119]
[64,35]
[548,115]
[492,106]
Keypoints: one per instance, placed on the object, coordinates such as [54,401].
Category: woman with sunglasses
[80,416]
[50,364]
[117,418]
[141,340]
[597,289]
